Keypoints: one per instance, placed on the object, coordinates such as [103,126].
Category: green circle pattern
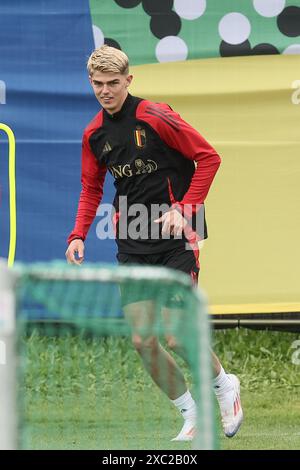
[130,27]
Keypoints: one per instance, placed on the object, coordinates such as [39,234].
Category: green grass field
[92,393]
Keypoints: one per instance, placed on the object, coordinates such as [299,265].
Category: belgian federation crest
[140,137]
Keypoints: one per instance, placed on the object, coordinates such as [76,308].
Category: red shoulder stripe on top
[164,112]
[164,119]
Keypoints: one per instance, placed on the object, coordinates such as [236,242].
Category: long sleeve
[92,181]
[181,136]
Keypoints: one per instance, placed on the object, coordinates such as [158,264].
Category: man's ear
[90,79]
[129,79]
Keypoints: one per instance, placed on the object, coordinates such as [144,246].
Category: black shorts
[180,259]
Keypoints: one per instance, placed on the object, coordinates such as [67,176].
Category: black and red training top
[155,158]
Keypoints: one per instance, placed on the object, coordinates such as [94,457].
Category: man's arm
[75,252]
[181,136]
[92,181]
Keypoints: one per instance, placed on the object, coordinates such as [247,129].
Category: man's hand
[173,223]
[76,247]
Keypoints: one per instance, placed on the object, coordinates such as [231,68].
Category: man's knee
[141,344]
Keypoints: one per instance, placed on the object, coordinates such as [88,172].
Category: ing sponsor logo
[139,168]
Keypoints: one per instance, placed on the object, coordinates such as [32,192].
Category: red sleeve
[92,181]
[179,135]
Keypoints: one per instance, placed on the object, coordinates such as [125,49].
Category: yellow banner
[248,108]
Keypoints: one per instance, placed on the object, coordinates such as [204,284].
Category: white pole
[205,439]
[8,409]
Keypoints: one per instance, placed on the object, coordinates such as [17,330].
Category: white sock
[222,384]
[186,405]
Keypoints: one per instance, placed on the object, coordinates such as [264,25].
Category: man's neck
[120,107]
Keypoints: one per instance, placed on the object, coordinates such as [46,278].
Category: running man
[156,158]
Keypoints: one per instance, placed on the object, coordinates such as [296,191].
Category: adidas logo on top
[107,147]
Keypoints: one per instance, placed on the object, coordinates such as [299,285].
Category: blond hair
[108,59]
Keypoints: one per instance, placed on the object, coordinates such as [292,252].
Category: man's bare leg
[226,386]
[161,365]
[157,361]
[175,316]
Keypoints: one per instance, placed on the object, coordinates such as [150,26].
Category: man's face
[110,89]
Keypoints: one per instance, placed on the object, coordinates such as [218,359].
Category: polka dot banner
[157,7]
[203,28]
[292,49]
[269,8]
[264,49]
[231,50]
[128,3]
[112,43]
[190,9]
[289,21]
[171,49]
[234,28]
[168,24]
[98,36]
